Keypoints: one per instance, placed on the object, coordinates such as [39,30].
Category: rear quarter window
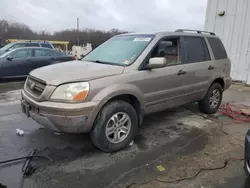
[217,48]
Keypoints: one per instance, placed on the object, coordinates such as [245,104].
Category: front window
[24,53]
[17,45]
[6,47]
[120,50]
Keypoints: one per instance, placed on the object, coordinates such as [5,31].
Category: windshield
[5,54]
[120,50]
[6,47]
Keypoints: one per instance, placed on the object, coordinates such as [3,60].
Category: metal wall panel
[234,30]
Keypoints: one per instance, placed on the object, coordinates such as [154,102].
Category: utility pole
[78,42]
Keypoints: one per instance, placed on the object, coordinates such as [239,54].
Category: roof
[134,33]
[180,32]
[39,41]
[33,48]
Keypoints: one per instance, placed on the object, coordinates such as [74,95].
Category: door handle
[210,67]
[29,60]
[53,58]
[181,72]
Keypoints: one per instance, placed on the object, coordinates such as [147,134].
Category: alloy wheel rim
[215,98]
[118,127]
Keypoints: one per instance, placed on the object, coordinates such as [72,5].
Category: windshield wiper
[105,62]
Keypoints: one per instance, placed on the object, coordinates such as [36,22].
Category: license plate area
[26,108]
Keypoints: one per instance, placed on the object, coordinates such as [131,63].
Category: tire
[104,122]
[205,104]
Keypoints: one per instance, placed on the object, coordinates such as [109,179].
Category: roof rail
[38,41]
[198,31]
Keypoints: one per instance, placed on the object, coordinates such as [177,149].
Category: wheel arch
[220,81]
[127,92]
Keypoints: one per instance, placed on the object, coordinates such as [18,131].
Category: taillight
[73,58]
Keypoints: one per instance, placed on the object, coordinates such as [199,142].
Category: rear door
[41,58]
[196,65]
[18,65]
[57,57]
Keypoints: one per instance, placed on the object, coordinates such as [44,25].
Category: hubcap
[118,127]
[214,99]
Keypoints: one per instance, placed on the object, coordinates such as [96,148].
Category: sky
[129,15]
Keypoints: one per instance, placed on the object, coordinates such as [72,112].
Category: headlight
[74,91]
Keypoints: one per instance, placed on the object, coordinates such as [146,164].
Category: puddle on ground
[10,86]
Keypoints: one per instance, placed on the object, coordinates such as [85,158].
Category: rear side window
[217,48]
[32,45]
[46,45]
[195,49]
[41,53]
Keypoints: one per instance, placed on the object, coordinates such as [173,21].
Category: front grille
[35,86]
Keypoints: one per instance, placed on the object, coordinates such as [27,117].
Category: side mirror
[156,62]
[9,58]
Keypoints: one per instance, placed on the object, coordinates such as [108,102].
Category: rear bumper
[60,117]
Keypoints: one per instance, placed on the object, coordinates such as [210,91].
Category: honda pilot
[112,88]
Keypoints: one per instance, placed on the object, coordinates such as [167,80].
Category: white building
[230,20]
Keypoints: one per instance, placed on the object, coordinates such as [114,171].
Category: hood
[72,71]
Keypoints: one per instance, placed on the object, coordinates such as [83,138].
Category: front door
[17,63]
[163,87]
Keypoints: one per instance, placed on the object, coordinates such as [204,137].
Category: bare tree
[22,31]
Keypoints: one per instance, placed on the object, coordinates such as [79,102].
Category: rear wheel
[212,100]
[115,126]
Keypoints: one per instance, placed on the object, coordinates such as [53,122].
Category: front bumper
[247,156]
[60,117]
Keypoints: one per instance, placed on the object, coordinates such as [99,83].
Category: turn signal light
[81,96]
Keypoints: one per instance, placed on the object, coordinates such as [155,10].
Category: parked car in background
[15,45]
[109,91]
[19,62]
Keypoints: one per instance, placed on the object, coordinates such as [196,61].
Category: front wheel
[212,100]
[115,126]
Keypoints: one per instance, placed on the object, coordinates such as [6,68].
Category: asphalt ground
[164,138]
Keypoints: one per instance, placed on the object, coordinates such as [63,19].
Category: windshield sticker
[126,62]
[142,39]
